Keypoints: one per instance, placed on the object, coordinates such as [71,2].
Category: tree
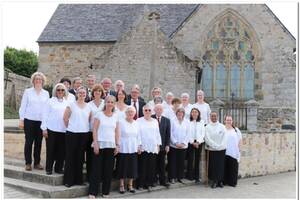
[21,62]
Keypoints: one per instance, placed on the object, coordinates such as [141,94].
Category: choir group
[119,134]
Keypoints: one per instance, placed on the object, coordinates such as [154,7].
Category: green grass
[10,113]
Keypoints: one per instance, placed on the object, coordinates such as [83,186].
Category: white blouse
[179,132]
[79,118]
[95,110]
[32,103]
[129,137]
[215,136]
[107,127]
[205,111]
[71,98]
[53,115]
[187,110]
[149,134]
[233,139]
[121,114]
[170,114]
[196,131]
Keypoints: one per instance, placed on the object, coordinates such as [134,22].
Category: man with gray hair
[136,101]
[107,84]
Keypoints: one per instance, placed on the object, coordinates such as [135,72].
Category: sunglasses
[147,110]
[60,90]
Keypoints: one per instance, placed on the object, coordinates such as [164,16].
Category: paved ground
[11,122]
[277,186]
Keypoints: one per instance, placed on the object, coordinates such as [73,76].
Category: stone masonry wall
[277,69]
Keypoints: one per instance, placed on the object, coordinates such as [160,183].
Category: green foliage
[10,113]
[21,62]
[49,88]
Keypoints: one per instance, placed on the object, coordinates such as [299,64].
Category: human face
[213,117]
[156,93]
[38,81]
[106,84]
[200,97]
[228,121]
[119,86]
[77,84]
[169,99]
[158,109]
[179,115]
[110,104]
[195,114]
[147,112]
[67,84]
[97,94]
[176,106]
[130,113]
[185,100]
[90,82]
[81,94]
[121,96]
[60,92]
[135,94]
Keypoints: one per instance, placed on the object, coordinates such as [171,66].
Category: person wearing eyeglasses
[150,144]
[54,129]
[30,112]
[77,118]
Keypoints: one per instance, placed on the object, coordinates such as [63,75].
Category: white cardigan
[215,136]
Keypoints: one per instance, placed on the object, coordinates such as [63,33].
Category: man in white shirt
[136,101]
[216,142]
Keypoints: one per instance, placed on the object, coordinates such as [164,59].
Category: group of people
[115,132]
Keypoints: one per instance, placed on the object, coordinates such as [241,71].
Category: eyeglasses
[60,90]
[147,110]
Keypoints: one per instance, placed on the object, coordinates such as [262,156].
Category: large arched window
[229,55]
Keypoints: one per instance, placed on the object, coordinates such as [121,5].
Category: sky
[22,23]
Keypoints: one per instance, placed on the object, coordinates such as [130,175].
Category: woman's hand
[96,148]
[117,150]
[21,124]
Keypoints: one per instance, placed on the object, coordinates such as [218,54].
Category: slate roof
[107,22]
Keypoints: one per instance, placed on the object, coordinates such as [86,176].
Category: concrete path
[11,123]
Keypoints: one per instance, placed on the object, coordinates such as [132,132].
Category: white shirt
[53,115]
[170,114]
[107,127]
[179,132]
[32,103]
[79,118]
[71,98]
[215,136]
[205,111]
[121,114]
[129,137]
[187,110]
[149,134]
[137,106]
[95,110]
[196,131]
[233,139]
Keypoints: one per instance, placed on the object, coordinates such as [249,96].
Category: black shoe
[172,181]
[132,190]
[220,184]
[59,171]
[180,181]
[67,185]
[150,189]
[197,181]
[49,173]
[165,184]
[214,185]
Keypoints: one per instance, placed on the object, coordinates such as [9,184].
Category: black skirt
[231,169]
[216,165]
[127,165]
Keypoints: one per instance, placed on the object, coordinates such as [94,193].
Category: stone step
[47,191]
[8,129]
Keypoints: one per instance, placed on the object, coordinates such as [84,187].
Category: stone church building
[241,55]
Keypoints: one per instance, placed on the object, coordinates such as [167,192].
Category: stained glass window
[221,81]
[248,82]
[235,80]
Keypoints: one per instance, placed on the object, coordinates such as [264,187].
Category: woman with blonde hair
[30,112]
[54,128]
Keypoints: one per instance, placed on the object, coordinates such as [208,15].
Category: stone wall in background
[14,86]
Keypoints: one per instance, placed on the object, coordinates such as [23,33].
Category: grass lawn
[10,113]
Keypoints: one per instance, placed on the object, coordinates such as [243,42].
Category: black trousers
[146,169]
[193,161]
[216,165]
[33,134]
[176,165]
[88,155]
[55,151]
[102,169]
[75,145]
[231,169]
[161,167]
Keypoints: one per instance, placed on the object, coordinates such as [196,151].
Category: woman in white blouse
[202,106]
[106,145]
[196,139]
[77,120]
[121,106]
[185,99]
[30,112]
[171,113]
[96,105]
[129,146]
[54,129]
[179,144]
[232,154]
[150,141]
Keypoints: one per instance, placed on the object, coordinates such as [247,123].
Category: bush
[21,62]
[10,113]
